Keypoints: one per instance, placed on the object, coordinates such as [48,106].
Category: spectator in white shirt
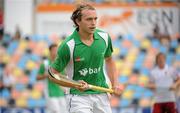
[163,81]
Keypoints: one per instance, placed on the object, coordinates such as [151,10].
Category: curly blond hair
[76,15]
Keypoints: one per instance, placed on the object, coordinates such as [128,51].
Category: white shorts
[56,105]
[91,103]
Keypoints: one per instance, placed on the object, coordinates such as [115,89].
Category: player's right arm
[59,64]
[42,77]
[151,84]
[41,74]
[66,83]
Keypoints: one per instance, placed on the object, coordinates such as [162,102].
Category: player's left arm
[175,84]
[111,68]
[111,71]
[176,77]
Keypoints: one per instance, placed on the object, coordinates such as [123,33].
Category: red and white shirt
[163,79]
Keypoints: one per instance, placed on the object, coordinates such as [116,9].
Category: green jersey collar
[77,36]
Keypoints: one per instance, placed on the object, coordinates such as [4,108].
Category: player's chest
[95,51]
[163,75]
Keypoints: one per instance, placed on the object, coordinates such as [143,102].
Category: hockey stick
[58,79]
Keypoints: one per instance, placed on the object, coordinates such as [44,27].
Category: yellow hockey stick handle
[97,88]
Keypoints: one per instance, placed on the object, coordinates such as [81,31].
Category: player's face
[88,21]
[53,52]
[161,60]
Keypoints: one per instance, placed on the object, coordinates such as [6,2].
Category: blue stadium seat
[7,38]
[123,51]
[32,76]
[36,103]
[137,95]
[136,43]
[163,49]
[138,92]
[140,89]
[137,65]
[5,94]
[1,72]
[124,103]
[99,1]
[123,79]
[145,71]
[169,58]
[116,43]
[12,47]
[129,36]
[178,57]
[155,43]
[22,63]
[35,58]
[36,38]
[174,43]
[148,93]
[20,87]
[139,61]
[131,87]
[47,40]
[141,56]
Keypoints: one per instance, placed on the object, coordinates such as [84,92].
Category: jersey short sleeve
[109,49]
[62,58]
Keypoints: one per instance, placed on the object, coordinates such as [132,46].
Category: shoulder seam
[104,36]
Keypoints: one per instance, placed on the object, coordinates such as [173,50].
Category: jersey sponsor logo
[78,59]
[90,71]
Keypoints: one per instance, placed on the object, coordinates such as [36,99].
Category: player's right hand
[84,85]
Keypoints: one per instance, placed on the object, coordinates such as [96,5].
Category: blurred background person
[17,35]
[178,97]
[163,80]
[54,94]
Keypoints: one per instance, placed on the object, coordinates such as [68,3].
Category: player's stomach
[164,97]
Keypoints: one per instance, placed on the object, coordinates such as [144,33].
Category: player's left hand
[173,87]
[118,89]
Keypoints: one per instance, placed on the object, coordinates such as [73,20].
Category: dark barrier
[21,110]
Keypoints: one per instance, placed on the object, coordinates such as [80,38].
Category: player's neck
[161,66]
[85,35]
[86,38]
[52,58]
